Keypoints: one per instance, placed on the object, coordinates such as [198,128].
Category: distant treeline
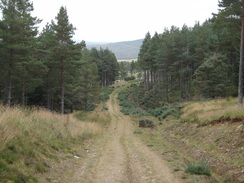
[49,69]
[195,62]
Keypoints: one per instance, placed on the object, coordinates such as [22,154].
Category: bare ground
[117,156]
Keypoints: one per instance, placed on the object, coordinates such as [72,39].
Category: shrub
[105,109]
[127,106]
[138,131]
[91,107]
[134,101]
[146,123]
[199,169]
[164,111]
[130,78]
[105,92]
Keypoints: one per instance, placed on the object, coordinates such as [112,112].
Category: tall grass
[37,124]
[206,112]
[28,137]
[100,116]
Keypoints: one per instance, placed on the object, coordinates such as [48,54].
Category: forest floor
[117,156]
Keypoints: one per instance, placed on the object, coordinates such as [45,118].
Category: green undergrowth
[129,107]
[104,96]
[138,131]
[105,92]
[30,138]
[147,123]
[201,168]
[164,111]
[134,102]
[130,78]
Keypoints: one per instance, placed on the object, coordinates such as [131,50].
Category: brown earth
[117,156]
[221,145]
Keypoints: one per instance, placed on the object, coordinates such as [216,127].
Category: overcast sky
[124,20]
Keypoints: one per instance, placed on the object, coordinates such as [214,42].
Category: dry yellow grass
[207,111]
[100,115]
[30,137]
[40,124]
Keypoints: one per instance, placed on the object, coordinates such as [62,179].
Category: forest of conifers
[50,70]
[196,62]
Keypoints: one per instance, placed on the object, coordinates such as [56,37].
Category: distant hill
[122,50]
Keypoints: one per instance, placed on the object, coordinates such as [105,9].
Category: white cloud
[120,20]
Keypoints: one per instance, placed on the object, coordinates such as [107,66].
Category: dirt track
[119,156]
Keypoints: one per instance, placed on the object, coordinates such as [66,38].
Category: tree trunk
[48,101]
[155,83]
[23,92]
[101,80]
[167,90]
[240,87]
[9,88]
[145,79]
[9,98]
[167,85]
[62,89]
[180,89]
[105,80]
[48,94]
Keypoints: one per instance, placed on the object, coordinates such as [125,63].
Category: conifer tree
[18,33]
[87,88]
[234,9]
[66,53]
[122,69]
[211,77]
[153,49]
[108,67]
[132,67]
[46,42]
[144,59]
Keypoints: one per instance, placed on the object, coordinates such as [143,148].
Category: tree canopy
[49,69]
[199,61]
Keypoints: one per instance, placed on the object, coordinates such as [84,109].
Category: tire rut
[138,162]
[118,156]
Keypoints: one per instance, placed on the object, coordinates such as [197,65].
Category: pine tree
[211,77]
[66,52]
[232,9]
[18,33]
[122,69]
[163,69]
[46,42]
[153,50]
[2,68]
[144,59]
[87,88]
[132,67]
[108,67]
